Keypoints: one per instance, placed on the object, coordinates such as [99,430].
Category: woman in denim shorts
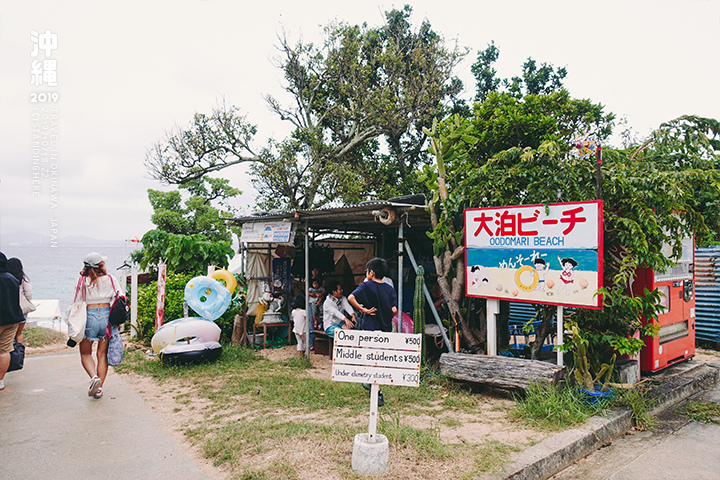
[100,291]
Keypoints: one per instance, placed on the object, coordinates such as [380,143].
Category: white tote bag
[76,316]
[26,305]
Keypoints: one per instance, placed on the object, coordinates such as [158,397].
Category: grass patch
[550,408]
[251,436]
[41,336]
[426,442]
[489,459]
[705,412]
[249,407]
[451,422]
[637,400]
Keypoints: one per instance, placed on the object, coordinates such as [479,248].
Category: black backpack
[119,310]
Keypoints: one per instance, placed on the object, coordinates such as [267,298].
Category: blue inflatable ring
[208,297]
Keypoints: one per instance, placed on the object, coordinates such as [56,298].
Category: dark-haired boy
[377,300]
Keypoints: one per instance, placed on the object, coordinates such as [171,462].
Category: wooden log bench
[323,343]
[501,372]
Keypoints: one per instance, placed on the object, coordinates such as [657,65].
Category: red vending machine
[676,341]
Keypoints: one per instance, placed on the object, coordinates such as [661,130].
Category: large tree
[209,144]
[463,145]
[358,104]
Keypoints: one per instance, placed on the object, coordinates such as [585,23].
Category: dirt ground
[186,408]
[310,463]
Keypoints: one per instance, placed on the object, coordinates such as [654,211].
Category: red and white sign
[534,253]
[160,309]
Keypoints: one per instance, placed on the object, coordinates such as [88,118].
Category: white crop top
[101,292]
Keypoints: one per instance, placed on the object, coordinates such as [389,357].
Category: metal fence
[707,293]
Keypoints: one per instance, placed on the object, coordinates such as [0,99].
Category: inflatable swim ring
[519,280]
[228,279]
[182,329]
[190,352]
[208,297]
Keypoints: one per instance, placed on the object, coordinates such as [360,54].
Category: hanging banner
[532,254]
[281,278]
[160,309]
[268,232]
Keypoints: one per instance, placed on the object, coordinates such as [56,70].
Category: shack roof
[366,217]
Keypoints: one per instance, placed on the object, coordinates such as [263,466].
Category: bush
[147,303]
[41,336]
[174,299]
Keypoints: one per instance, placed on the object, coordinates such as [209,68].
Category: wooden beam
[502,372]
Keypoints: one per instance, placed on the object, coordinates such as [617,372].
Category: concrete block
[629,370]
[370,458]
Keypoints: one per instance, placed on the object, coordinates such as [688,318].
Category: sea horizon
[54,271]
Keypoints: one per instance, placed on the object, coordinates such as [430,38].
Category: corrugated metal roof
[351,218]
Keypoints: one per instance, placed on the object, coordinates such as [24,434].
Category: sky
[126,73]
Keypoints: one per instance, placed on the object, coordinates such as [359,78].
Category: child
[299,323]
[377,300]
[316,292]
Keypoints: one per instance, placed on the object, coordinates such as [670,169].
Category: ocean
[54,271]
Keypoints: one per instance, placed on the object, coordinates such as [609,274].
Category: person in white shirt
[100,291]
[299,319]
[337,311]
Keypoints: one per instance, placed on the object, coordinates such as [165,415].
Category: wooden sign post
[376,358]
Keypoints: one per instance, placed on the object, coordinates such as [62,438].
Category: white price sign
[377,358]
[394,341]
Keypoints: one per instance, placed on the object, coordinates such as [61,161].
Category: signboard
[532,254]
[377,358]
[270,232]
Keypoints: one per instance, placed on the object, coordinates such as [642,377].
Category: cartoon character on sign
[541,267]
[480,277]
[567,276]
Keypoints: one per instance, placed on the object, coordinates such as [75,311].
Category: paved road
[50,429]
[676,448]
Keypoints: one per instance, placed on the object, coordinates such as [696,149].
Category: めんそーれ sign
[536,254]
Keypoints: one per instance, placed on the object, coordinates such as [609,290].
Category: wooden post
[133,301]
[374,389]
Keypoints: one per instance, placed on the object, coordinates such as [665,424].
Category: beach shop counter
[277,247]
